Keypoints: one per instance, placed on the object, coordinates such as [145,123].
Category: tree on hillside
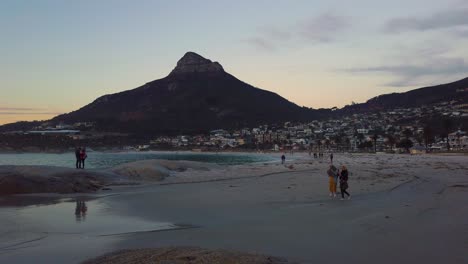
[428,135]
[391,141]
[419,138]
[348,143]
[337,139]
[319,144]
[365,145]
[458,139]
[405,143]
[447,125]
[375,136]
[360,137]
[327,143]
[407,133]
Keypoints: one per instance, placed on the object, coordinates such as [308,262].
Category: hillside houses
[382,131]
[396,129]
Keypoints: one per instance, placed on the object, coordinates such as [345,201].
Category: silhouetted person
[83,157]
[344,182]
[331,158]
[283,159]
[78,157]
[332,178]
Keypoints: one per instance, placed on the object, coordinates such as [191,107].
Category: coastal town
[435,128]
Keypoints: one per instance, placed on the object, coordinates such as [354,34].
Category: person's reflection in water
[80,211]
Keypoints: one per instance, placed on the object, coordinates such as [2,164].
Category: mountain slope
[457,91]
[197,95]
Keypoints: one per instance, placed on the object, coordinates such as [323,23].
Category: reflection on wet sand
[80,211]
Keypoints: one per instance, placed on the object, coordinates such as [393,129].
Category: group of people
[336,176]
[319,154]
[80,154]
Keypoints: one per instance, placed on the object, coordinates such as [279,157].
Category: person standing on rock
[332,174]
[83,157]
[78,157]
[344,182]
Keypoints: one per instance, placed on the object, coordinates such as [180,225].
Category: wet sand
[404,209]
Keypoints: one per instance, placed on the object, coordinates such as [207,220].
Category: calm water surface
[100,160]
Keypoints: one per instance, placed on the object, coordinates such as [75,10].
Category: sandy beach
[404,209]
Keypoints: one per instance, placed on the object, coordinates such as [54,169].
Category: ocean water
[101,160]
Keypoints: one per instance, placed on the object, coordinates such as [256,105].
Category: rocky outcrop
[48,179]
[192,62]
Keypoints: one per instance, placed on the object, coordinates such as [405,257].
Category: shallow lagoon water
[73,223]
[102,160]
[77,216]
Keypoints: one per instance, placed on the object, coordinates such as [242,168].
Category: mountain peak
[192,62]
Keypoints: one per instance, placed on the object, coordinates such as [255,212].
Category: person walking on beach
[78,157]
[283,159]
[344,182]
[83,157]
[332,175]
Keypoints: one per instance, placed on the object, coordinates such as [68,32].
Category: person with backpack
[344,182]
[83,157]
[78,157]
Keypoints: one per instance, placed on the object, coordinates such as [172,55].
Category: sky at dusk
[57,56]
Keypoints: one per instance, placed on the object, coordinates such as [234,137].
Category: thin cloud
[436,66]
[461,32]
[276,33]
[19,109]
[261,43]
[440,20]
[322,28]
[409,75]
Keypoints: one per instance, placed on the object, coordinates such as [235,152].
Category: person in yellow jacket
[332,180]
